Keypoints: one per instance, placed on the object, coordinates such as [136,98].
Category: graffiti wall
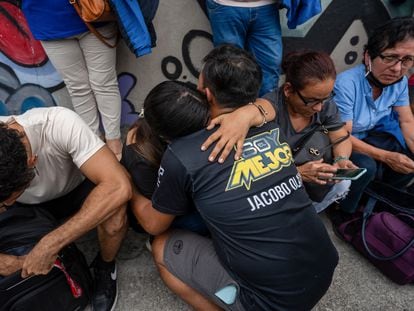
[28,79]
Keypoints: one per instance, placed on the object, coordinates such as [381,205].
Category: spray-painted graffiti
[126,83]
[16,98]
[340,30]
[28,79]
[172,67]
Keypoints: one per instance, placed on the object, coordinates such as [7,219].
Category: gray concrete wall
[183,39]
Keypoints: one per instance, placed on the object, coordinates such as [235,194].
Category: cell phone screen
[349,173]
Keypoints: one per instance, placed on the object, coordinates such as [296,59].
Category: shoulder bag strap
[319,127]
[92,29]
[376,187]
[304,139]
[367,213]
[337,141]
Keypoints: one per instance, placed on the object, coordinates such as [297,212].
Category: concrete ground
[357,285]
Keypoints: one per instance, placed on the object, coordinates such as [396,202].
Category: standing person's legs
[67,57]
[264,41]
[101,63]
[228,24]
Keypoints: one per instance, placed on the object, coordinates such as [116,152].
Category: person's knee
[158,246]
[116,223]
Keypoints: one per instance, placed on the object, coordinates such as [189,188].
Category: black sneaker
[105,285]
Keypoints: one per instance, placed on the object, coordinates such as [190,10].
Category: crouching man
[268,249]
[50,158]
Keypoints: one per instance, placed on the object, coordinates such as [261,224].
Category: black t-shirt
[328,116]
[265,230]
[144,175]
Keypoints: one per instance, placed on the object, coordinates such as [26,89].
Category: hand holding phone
[350,174]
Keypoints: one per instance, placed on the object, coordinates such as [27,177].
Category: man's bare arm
[397,161]
[406,119]
[153,221]
[112,191]
[10,264]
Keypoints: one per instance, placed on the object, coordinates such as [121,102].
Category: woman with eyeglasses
[373,102]
[304,102]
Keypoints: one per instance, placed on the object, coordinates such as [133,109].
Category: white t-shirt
[62,142]
[246,3]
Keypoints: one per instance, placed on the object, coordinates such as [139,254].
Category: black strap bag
[313,146]
[67,287]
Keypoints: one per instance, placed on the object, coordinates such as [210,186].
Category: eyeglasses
[406,61]
[313,102]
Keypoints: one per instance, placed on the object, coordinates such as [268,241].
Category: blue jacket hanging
[300,11]
[132,26]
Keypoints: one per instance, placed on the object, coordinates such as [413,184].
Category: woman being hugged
[144,148]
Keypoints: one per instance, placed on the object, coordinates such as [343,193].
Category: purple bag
[387,240]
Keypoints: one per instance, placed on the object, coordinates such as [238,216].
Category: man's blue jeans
[254,29]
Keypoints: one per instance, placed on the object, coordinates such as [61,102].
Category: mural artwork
[28,79]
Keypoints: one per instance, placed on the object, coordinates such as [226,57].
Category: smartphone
[351,173]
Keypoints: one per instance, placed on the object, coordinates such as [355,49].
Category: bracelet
[262,112]
[340,158]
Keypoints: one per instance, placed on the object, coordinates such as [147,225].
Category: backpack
[384,236]
[65,288]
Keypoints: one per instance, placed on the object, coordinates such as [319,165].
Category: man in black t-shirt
[268,248]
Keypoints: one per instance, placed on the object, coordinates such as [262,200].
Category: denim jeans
[374,170]
[351,202]
[255,29]
[337,193]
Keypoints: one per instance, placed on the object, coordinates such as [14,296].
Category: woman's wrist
[263,114]
[340,158]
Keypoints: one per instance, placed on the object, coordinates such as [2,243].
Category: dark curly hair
[15,174]
[387,36]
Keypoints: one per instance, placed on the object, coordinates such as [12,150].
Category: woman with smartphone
[302,102]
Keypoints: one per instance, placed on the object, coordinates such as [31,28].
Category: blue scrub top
[52,19]
[353,96]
